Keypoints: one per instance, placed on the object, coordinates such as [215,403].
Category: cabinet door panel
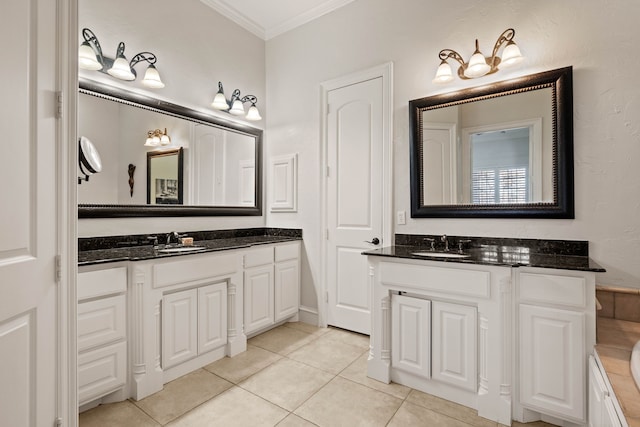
[212,317]
[454,344]
[101,371]
[101,321]
[258,298]
[610,418]
[410,336]
[287,285]
[179,327]
[552,364]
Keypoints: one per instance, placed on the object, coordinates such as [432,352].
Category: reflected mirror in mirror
[501,150]
[165,177]
[220,166]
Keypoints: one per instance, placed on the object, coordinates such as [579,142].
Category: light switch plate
[401,218]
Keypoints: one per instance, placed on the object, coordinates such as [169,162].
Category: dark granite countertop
[146,252]
[558,254]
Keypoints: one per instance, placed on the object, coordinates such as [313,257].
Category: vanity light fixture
[90,57]
[478,64]
[235,105]
[157,138]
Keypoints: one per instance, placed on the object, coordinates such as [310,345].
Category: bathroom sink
[635,363]
[181,249]
[440,254]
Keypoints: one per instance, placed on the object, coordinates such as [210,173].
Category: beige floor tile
[621,325]
[287,383]
[235,407]
[328,354]
[306,327]
[445,407]
[293,420]
[410,415]
[345,403]
[182,395]
[282,340]
[121,414]
[357,372]
[617,338]
[238,368]
[348,337]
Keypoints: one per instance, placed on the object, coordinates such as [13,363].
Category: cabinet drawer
[102,282]
[289,251]
[259,256]
[101,321]
[552,289]
[101,371]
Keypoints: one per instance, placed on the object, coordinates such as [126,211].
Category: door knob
[374,241]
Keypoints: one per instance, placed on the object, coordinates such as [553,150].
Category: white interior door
[439,158]
[28,220]
[355,205]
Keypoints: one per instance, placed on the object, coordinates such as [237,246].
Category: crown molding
[237,17]
[268,33]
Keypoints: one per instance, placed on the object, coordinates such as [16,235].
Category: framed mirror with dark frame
[165,181]
[502,150]
[239,156]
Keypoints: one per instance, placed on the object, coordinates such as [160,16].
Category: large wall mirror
[219,162]
[495,151]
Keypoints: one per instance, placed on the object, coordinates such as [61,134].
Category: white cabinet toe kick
[511,343]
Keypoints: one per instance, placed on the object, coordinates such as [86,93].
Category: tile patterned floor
[295,375]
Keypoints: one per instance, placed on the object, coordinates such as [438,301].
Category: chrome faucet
[443,238]
[175,235]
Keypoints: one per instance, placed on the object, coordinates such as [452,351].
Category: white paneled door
[354,183]
[28,221]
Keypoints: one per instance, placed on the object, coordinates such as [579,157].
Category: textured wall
[196,47]
[598,38]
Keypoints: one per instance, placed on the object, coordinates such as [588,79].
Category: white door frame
[385,71]
[67,211]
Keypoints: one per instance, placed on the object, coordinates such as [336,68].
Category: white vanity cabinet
[556,334]
[271,285]
[102,345]
[194,322]
[604,410]
[445,329]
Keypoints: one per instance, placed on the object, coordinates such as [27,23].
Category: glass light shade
[220,102]
[237,109]
[253,113]
[149,142]
[152,78]
[444,73]
[87,59]
[164,139]
[511,55]
[121,69]
[477,66]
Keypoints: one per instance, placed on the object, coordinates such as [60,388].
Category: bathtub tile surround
[619,303]
[616,339]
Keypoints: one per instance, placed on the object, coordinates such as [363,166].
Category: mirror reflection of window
[500,166]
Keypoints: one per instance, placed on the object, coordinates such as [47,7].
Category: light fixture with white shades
[478,64]
[156,138]
[235,105]
[90,57]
